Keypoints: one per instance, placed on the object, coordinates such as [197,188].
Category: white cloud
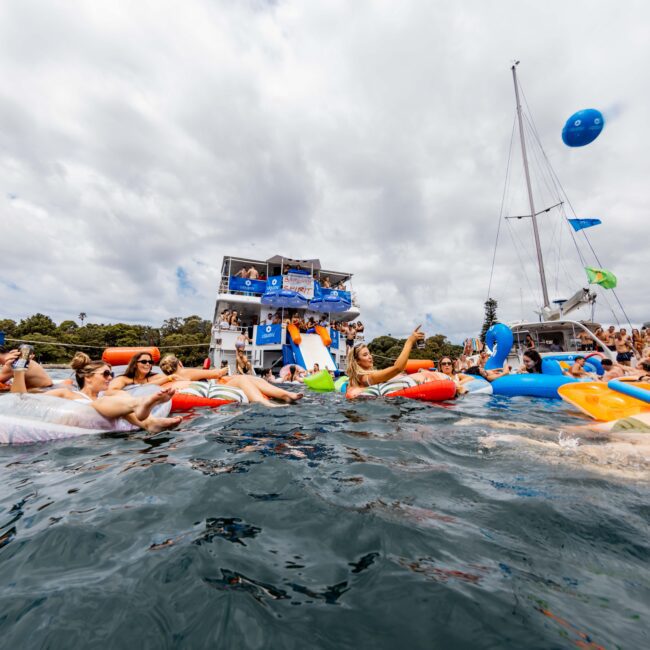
[137,139]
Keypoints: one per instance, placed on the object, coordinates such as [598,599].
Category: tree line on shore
[385,349]
[187,337]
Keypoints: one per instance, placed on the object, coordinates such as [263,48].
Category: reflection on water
[484,523]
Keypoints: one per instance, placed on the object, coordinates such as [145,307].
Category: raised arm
[7,370]
[380,376]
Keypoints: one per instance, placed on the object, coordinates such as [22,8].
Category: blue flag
[580,224]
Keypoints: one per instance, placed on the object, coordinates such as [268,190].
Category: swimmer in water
[620,447]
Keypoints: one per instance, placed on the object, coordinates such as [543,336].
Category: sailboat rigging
[553,333]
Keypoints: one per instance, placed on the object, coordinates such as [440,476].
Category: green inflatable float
[320,381]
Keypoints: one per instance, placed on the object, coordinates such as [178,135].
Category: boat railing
[226,282]
[226,288]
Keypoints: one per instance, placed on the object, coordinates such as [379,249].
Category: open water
[329,524]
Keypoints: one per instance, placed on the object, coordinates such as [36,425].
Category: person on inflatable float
[35,376]
[578,371]
[362,374]
[446,367]
[255,388]
[532,361]
[139,371]
[93,378]
[294,374]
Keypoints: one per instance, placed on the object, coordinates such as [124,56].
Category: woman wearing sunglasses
[446,367]
[93,379]
[139,371]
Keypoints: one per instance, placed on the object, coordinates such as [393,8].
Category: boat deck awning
[297,264]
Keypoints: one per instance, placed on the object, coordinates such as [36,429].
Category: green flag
[605,279]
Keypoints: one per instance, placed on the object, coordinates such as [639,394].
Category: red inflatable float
[186,402]
[437,390]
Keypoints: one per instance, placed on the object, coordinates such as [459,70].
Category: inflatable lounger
[210,393]
[35,417]
[600,402]
[436,390]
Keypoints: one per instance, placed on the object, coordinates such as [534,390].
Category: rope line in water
[103,347]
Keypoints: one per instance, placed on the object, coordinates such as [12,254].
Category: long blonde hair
[83,366]
[354,371]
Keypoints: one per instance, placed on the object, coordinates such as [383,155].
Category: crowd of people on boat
[630,348]
[230,319]
[251,273]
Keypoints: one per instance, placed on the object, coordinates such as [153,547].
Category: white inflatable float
[36,417]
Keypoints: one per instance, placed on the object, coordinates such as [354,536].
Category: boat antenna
[533,214]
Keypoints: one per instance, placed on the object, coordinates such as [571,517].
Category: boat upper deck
[245,280]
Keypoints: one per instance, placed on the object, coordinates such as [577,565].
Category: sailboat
[554,334]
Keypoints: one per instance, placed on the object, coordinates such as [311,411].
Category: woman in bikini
[362,374]
[93,379]
[446,368]
[139,371]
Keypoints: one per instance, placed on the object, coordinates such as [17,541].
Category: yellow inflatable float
[600,402]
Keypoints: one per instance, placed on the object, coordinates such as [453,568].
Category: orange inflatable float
[122,356]
[413,365]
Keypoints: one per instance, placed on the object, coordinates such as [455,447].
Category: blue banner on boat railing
[274,283]
[346,296]
[334,335]
[245,285]
[268,334]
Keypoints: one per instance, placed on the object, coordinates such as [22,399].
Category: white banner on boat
[303,284]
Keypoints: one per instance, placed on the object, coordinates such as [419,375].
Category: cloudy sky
[142,141]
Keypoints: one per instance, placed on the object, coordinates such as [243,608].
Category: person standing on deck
[623,347]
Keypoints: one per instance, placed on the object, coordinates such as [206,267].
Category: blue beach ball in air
[583,127]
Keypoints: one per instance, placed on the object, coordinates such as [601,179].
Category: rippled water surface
[330,524]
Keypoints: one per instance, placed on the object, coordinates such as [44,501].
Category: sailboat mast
[540,260]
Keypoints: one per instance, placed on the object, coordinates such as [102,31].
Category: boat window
[551,342]
[521,337]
